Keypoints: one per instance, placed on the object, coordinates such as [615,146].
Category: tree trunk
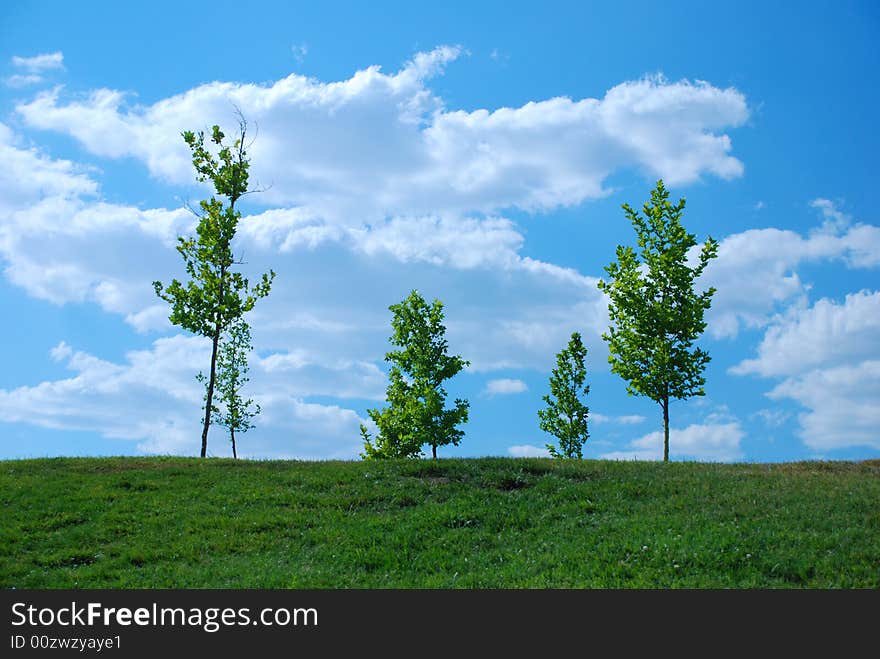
[210,397]
[666,429]
[434,451]
[232,434]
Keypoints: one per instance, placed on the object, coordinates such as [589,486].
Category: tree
[655,313]
[565,416]
[215,296]
[232,368]
[416,413]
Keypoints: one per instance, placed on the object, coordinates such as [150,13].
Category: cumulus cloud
[756,270]
[458,242]
[333,302]
[626,419]
[841,403]
[299,374]
[826,355]
[834,217]
[42,62]
[528,451]
[23,80]
[143,399]
[69,250]
[380,144]
[827,332]
[771,418]
[29,176]
[376,165]
[299,52]
[61,243]
[503,386]
[712,442]
[154,399]
[34,68]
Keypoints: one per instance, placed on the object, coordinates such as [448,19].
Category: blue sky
[479,154]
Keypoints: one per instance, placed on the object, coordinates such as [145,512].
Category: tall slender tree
[656,314]
[416,414]
[235,413]
[565,416]
[216,295]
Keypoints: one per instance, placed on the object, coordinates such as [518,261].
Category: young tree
[416,398]
[565,416]
[655,313]
[215,296]
[232,374]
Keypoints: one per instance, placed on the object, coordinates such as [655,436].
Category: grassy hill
[479,523]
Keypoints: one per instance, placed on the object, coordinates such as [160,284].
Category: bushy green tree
[565,416]
[215,296]
[656,314]
[416,413]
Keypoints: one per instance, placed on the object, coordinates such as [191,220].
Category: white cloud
[23,80]
[380,144]
[34,68]
[299,52]
[771,418]
[712,442]
[154,399]
[380,171]
[528,451]
[492,314]
[298,374]
[825,333]
[504,386]
[857,243]
[460,243]
[827,357]
[626,419]
[138,400]
[27,176]
[755,272]
[42,62]
[843,404]
[67,250]
[61,244]
[832,214]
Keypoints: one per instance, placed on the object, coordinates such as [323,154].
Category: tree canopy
[416,413]
[656,314]
[565,416]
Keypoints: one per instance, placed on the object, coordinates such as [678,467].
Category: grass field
[477,523]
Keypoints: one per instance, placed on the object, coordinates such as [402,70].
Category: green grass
[479,523]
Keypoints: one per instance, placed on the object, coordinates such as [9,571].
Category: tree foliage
[216,296]
[565,416]
[416,413]
[656,314]
[234,413]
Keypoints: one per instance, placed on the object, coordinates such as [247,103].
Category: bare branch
[188,206]
[268,187]
[256,135]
